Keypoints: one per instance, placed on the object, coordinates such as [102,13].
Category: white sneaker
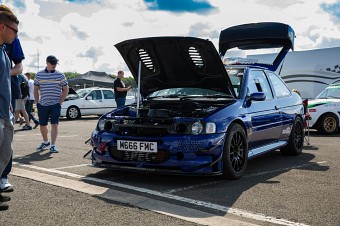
[5,186]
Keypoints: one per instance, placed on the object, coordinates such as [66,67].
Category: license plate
[139,146]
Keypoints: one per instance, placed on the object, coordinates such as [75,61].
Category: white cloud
[83,35]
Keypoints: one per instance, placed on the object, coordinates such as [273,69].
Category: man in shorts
[50,91]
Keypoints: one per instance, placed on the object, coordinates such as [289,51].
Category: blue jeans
[120,102]
[29,107]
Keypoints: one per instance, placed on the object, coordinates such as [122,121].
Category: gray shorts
[20,104]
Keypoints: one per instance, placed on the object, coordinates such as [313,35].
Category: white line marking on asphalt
[162,207]
[75,166]
[225,209]
[68,136]
[189,187]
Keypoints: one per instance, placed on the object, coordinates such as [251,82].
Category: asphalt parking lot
[275,190]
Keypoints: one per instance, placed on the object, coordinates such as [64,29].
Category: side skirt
[266,148]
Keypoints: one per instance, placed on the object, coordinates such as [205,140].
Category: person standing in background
[8,32]
[120,90]
[30,101]
[50,91]
[20,102]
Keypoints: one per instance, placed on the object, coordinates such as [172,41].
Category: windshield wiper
[209,96]
[167,96]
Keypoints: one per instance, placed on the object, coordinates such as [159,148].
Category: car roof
[92,88]
[335,85]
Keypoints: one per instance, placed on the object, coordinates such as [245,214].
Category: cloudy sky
[82,33]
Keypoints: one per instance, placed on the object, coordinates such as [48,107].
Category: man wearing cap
[50,91]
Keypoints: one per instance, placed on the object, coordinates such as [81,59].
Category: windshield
[329,93]
[180,92]
[236,78]
[82,92]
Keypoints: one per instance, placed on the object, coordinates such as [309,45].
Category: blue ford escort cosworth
[196,115]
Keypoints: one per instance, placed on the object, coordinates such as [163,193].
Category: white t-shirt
[31,89]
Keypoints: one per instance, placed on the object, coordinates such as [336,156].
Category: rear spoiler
[259,36]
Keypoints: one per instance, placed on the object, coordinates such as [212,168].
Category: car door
[94,103]
[266,118]
[283,96]
[109,100]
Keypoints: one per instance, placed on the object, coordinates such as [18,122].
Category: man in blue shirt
[8,32]
[16,55]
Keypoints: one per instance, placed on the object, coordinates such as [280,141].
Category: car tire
[296,139]
[328,124]
[73,112]
[235,152]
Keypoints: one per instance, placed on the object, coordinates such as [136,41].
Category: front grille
[185,145]
[141,131]
[130,156]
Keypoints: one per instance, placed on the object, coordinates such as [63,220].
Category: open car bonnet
[71,91]
[175,62]
[259,36]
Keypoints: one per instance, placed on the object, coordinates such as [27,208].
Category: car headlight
[106,124]
[101,124]
[196,128]
[210,127]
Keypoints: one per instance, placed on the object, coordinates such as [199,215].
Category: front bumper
[177,154]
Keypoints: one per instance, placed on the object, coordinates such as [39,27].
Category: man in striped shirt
[50,91]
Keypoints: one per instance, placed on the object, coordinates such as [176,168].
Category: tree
[70,75]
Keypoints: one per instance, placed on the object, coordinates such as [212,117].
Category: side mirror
[258,96]
[89,98]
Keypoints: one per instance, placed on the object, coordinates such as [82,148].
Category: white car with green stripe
[324,110]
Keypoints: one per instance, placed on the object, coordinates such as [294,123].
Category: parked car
[324,110]
[130,100]
[198,116]
[88,101]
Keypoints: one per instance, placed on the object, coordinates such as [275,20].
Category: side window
[258,82]
[96,95]
[280,88]
[108,94]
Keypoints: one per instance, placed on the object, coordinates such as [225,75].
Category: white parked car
[130,100]
[89,101]
[324,110]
